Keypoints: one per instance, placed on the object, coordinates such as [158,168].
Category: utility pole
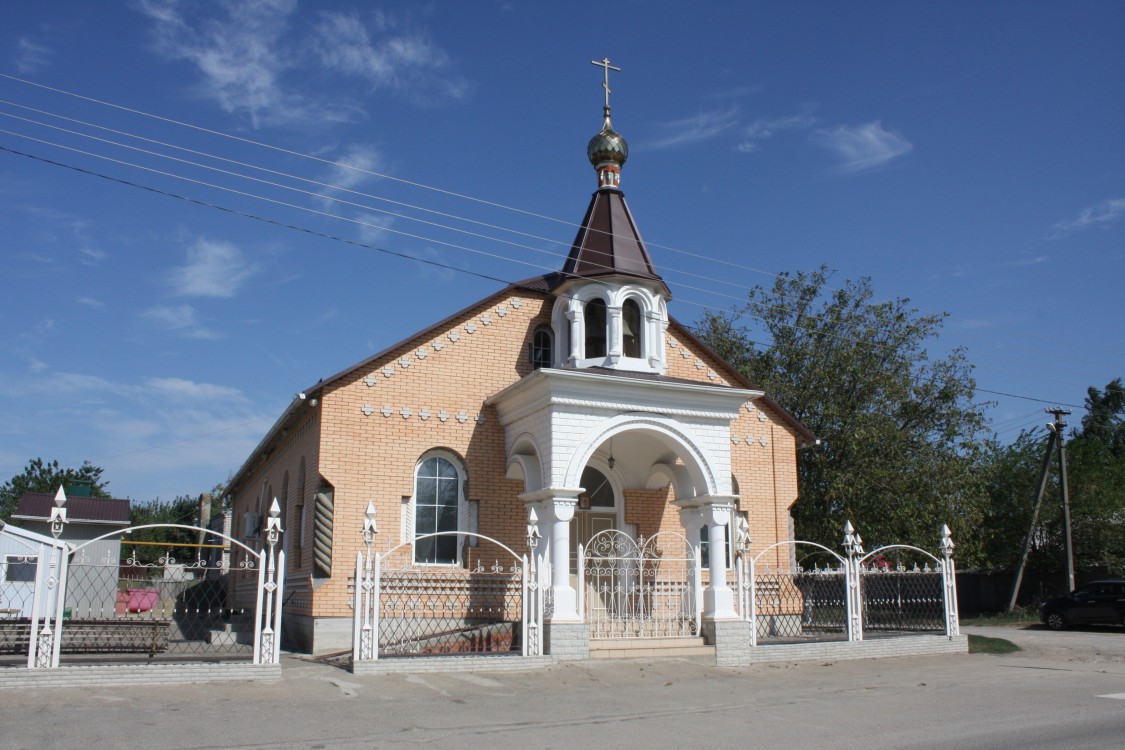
[1057,427]
[1034,518]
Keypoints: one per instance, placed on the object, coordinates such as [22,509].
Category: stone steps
[648,648]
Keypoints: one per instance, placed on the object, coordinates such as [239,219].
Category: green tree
[183,510]
[47,476]
[1096,482]
[901,437]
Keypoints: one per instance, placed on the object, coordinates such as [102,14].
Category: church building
[570,401]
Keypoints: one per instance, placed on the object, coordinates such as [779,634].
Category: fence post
[949,583]
[363,636]
[268,642]
[532,590]
[752,604]
[853,546]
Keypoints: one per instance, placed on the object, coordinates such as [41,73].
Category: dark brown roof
[37,506]
[608,243]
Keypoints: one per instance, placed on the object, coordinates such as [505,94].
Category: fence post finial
[533,533]
[58,513]
[947,544]
[369,527]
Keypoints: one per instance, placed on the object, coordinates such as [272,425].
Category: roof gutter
[261,452]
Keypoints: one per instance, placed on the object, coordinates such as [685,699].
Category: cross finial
[606,67]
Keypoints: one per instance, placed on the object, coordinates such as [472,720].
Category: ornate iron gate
[404,608]
[900,595]
[639,589]
[107,602]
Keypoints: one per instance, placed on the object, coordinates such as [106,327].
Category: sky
[206,207]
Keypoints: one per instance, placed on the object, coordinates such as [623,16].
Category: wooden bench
[92,636]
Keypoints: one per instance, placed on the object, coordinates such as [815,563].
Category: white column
[557,513]
[577,341]
[615,347]
[718,599]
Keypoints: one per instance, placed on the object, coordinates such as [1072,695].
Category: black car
[1097,602]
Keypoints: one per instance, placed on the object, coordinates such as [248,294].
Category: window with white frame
[439,496]
[20,568]
[542,347]
[705,544]
[596,321]
[632,335]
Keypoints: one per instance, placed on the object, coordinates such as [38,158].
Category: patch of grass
[979,644]
[1019,616]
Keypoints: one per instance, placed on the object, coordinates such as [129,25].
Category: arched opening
[595,318]
[439,488]
[542,347]
[632,335]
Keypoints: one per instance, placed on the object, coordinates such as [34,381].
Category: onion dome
[607,151]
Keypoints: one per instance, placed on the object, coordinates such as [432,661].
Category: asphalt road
[1064,690]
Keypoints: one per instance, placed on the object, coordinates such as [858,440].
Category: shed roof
[36,506]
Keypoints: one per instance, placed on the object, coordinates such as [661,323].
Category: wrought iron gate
[900,595]
[106,601]
[492,605]
[639,589]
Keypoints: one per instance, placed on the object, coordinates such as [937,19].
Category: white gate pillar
[555,509]
[716,511]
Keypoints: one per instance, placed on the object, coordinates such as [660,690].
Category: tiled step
[648,648]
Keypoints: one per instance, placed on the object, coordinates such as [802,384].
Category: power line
[454,194]
[384,227]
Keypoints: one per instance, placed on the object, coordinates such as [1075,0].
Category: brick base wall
[125,675]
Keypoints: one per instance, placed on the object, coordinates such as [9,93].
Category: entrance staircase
[649,648]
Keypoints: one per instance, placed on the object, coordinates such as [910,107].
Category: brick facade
[361,434]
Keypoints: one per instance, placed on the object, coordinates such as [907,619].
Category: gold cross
[604,63]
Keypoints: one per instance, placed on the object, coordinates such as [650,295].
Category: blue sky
[968,156]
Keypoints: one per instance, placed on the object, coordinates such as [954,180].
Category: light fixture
[611,461]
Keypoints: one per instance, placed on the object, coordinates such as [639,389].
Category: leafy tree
[901,438]
[182,510]
[40,476]
[1096,483]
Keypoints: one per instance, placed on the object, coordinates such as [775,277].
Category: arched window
[631,331]
[439,490]
[595,317]
[542,347]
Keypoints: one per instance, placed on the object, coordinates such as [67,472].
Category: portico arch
[697,476]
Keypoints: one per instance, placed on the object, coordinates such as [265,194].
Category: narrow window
[437,499]
[595,328]
[542,349]
[20,569]
[631,332]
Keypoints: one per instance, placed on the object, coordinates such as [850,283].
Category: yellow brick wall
[367,456]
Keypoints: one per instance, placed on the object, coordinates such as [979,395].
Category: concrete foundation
[567,641]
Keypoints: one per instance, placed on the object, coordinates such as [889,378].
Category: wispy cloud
[1102,215]
[178,319]
[180,388]
[214,269]
[95,304]
[31,57]
[353,167]
[245,50]
[863,147]
[238,52]
[765,128]
[343,42]
[701,127]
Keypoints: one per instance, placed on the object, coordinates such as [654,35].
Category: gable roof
[36,506]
